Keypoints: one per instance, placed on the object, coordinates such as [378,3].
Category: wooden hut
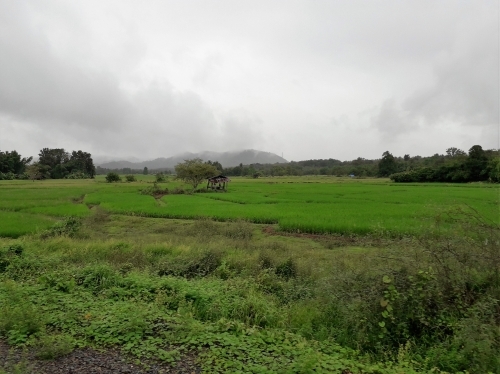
[218,183]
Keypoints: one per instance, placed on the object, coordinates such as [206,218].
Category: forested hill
[226,159]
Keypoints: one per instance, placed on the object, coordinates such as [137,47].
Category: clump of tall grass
[67,227]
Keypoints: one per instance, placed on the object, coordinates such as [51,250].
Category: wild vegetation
[280,275]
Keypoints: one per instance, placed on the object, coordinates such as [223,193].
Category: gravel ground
[88,361]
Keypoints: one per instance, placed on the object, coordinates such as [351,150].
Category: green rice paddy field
[305,204]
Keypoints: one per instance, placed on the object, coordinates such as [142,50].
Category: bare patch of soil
[89,361]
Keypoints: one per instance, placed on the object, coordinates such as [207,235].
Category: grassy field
[313,205]
[245,287]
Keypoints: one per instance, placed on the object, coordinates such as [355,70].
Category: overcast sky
[309,79]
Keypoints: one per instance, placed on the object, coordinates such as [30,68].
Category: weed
[239,230]
[8,253]
[206,264]
[49,347]
[155,190]
[19,318]
[287,269]
[98,217]
[97,277]
[67,227]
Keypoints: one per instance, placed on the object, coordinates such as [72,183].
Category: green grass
[15,224]
[305,204]
[326,206]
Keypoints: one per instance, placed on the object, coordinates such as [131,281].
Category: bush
[287,269]
[202,265]
[77,175]
[49,347]
[68,227]
[97,277]
[7,176]
[7,254]
[178,191]
[160,177]
[112,177]
[239,230]
[130,178]
[417,175]
[154,190]
[19,318]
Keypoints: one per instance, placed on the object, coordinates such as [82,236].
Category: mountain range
[227,159]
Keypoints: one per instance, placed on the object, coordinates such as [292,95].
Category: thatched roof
[219,179]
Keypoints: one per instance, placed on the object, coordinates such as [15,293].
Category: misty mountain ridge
[227,159]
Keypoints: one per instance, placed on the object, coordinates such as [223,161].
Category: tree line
[122,171]
[454,166]
[53,163]
[457,166]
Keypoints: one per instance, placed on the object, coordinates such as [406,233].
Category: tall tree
[477,163]
[82,162]
[54,159]
[11,162]
[217,165]
[454,152]
[194,171]
[387,165]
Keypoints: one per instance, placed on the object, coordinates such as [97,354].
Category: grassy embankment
[245,301]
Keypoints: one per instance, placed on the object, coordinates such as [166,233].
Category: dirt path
[88,361]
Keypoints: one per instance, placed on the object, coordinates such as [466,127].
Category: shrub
[160,177]
[97,277]
[154,190]
[19,318]
[77,175]
[112,177]
[7,254]
[178,191]
[239,230]
[130,178]
[202,265]
[49,347]
[417,175]
[7,176]
[287,269]
[68,227]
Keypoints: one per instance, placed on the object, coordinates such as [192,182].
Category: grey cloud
[124,79]
[90,105]
[465,91]
[241,130]
[36,85]
[392,120]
